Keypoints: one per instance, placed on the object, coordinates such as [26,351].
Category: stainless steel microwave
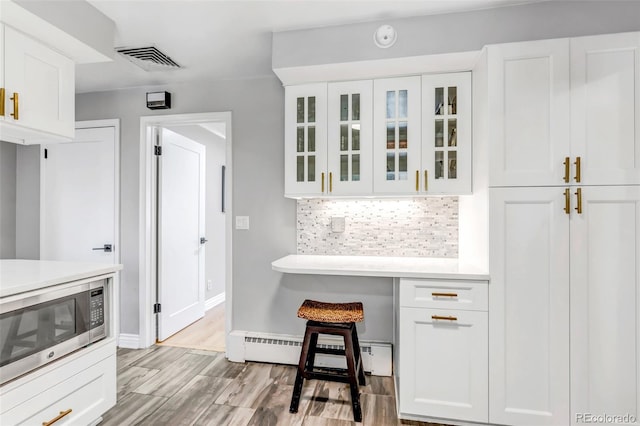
[38,329]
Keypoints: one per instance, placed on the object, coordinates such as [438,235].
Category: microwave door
[32,335]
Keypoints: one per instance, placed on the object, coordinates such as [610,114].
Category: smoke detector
[148,58]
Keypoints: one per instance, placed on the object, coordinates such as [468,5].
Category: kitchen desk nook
[440,338]
[57,341]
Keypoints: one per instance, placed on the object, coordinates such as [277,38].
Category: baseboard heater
[376,357]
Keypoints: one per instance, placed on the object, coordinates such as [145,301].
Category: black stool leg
[358,353]
[311,357]
[297,387]
[353,380]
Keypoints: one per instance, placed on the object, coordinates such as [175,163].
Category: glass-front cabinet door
[446,133]
[396,137]
[306,140]
[349,141]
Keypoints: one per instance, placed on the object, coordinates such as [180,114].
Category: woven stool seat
[331,312]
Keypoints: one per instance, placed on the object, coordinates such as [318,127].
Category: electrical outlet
[337,224]
[209,285]
[242,222]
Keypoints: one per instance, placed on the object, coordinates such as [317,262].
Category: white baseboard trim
[285,349]
[129,341]
[214,301]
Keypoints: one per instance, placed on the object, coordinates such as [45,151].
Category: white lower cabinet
[443,352]
[605,304]
[529,305]
[565,305]
[77,392]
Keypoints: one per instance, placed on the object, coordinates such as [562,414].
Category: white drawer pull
[438,317]
[58,417]
[444,294]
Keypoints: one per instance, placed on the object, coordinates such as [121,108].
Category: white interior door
[181,208]
[79,184]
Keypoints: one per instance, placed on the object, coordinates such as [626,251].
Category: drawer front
[444,294]
[88,394]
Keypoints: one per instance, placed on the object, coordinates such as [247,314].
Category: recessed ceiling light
[385,36]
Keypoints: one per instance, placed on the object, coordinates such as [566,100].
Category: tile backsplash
[422,227]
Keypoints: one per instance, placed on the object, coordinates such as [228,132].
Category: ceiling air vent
[148,58]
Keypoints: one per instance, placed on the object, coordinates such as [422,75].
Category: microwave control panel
[97,307]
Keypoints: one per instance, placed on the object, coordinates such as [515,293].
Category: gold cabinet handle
[438,317]
[444,294]
[58,417]
[1,101]
[567,201]
[579,199]
[417,180]
[426,180]
[577,163]
[567,169]
[322,185]
[330,182]
[16,105]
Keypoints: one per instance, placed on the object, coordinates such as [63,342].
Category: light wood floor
[205,334]
[165,385]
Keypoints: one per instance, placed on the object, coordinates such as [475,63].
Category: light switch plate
[242,222]
[337,224]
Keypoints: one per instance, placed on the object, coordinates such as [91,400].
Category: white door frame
[147,237]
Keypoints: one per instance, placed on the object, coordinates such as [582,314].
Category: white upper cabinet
[349,142]
[529,106]
[396,135]
[39,90]
[565,111]
[305,118]
[605,108]
[363,138]
[446,133]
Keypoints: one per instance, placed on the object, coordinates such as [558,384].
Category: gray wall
[28,202]
[455,32]
[19,201]
[8,154]
[215,222]
[258,175]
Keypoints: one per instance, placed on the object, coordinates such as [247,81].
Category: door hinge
[157,308]
[157,150]
[46,153]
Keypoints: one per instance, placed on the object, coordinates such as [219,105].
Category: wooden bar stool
[337,319]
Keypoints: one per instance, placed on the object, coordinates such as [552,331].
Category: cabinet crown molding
[379,68]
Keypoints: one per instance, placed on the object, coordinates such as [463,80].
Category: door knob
[107,248]
[203,240]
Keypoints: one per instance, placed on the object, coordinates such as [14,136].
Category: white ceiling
[230,39]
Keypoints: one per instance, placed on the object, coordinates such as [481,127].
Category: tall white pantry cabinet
[564,203]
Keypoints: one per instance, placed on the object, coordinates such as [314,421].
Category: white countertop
[19,276]
[378,266]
